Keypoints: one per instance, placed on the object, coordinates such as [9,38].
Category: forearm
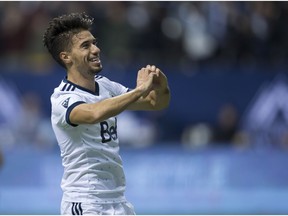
[155,100]
[114,106]
[160,99]
[97,112]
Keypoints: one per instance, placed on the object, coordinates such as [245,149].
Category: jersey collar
[82,88]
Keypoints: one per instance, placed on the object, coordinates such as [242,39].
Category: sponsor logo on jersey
[108,132]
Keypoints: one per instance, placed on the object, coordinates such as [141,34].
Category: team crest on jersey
[66,102]
[111,95]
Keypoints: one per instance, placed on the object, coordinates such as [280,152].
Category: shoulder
[62,103]
[102,79]
[69,89]
[65,94]
[104,82]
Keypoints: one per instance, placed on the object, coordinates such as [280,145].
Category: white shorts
[77,208]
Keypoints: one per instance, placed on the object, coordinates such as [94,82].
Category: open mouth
[95,60]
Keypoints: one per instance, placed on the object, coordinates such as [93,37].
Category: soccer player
[84,110]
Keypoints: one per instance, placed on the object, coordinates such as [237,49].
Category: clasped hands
[152,76]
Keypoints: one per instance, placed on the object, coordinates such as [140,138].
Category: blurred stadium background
[220,148]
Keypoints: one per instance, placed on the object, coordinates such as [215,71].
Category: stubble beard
[95,71]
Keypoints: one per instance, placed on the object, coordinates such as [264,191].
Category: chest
[102,94]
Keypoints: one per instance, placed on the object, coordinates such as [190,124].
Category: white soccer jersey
[93,170]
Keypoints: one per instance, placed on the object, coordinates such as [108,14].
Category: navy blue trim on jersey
[80,208]
[98,77]
[64,87]
[70,86]
[69,110]
[72,209]
[76,209]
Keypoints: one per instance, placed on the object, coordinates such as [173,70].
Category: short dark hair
[57,37]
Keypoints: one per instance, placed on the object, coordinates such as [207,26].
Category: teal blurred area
[169,180]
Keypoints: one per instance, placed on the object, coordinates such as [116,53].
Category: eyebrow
[88,41]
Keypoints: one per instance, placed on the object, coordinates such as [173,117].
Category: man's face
[85,54]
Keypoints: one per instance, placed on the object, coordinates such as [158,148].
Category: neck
[87,82]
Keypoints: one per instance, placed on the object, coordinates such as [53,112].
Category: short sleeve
[62,107]
[68,111]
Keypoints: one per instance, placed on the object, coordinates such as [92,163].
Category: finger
[142,69]
[151,74]
[147,70]
[157,72]
[153,67]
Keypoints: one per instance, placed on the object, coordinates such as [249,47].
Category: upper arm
[73,112]
[89,113]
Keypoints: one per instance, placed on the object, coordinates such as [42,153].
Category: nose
[95,49]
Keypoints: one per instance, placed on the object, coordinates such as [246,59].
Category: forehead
[82,36]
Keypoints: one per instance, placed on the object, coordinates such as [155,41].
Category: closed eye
[87,44]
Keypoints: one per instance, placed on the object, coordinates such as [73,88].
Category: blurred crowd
[178,33]
[170,34]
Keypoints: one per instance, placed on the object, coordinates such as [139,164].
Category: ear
[65,57]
